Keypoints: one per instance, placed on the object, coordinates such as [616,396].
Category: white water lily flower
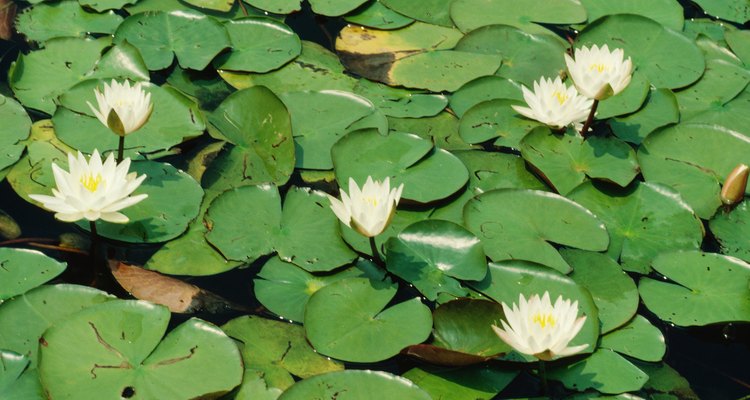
[368,211]
[554,103]
[92,190]
[539,329]
[599,73]
[122,108]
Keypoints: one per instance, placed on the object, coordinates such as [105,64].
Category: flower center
[91,182]
[121,103]
[543,320]
[373,201]
[599,67]
[560,96]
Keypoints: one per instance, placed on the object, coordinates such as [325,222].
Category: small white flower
[122,108]
[599,73]
[92,190]
[541,330]
[368,211]
[554,103]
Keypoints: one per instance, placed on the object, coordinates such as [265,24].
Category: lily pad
[526,57]
[276,6]
[428,174]
[638,339]
[666,57]
[567,160]
[643,220]
[258,45]
[739,42]
[613,291]
[721,82]
[118,352]
[194,38]
[441,129]
[16,127]
[12,366]
[22,270]
[376,15]
[399,102]
[484,89]
[431,11]
[433,255]
[471,14]
[726,9]
[517,224]
[445,70]
[708,288]
[465,325]
[46,21]
[219,5]
[666,12]
[605,371]
[627,101]
[660,109]
[333,8]
[473,383]
[355,385]
[732,231]
[495,119]
[365,331]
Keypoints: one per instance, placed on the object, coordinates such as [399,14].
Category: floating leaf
[726,9]
[333,8]
[64,19]
[365,331]
[637,339]
[565,161]
[438,71]
[219,5]
[627,101]
[495,119]
[732,231]
[720,83]
[118,351]
[473,383]
[605,371]
[102,5]
[431,11]
[258,45]
[739,42]
[659,109]
[666,12]
[12,366]
[376,15]
[471,14]
[276,6]
[441,129]
[355,385]
[517,224]
[643,220]
[16,127]
[709,288]
[399,102]
[483,89]
[22,270]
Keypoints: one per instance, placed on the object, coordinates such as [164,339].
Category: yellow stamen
[91,182]
[543,320]
[372,200]
[599,67]
[561,97]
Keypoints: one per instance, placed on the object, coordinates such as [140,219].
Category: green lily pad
[431,11]
[495,119]
[376,15]
[12,366]
[484,89]
[441,129]
[257,122]
[355,385]
[400,102]
[614,292]
[102,5]
[508,279]
[739,42]
[664,379]
[567,160]
[144,6]
[305,233]
[472,383]
[175,118]
[666,57]
[64,19]
[605,371]
[471,14]
[465,325]
[721,82]
[445,70]
[208,90]
[194,38]
[264,342]
[22,270]
[276,6]
[638,339]
[316,68]
[365,331]
[627,101]
[517,224]
[660,109]
[433,255]
[709,288]
[26,317]
[726,9]
[401,219]
[16,127]
[285,288]
[526,57]
[666,12]
[643,220]
[732,231]
[258,45]
[219,5]
[334,8]
[118,351]
[693,158]
[730,115]
[319,119]
[428,174]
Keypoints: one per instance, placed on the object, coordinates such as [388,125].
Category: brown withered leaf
[7,17]
[180,297]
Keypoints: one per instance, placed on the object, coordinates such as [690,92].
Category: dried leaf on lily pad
[180,297]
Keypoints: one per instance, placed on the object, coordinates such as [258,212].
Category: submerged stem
[120,151]
[590,119]
[375,255]
[543,376]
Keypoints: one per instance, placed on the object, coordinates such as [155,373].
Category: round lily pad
[258,45]
[441,129]
[46,21]
[355,385]
[666,12]
[627,101]
[483,89]
[428,174]
[638,339]
[277,6]
[604,371]
[22,270]
[666,57]
[431,11]
[365,331]
[13,365]
[732,231]
[119,351]
[709,288]
[721,82]
[495,119]
[465,325]
[481,382]
[376,15]
[333,8]
[566,160]
[445,70]
[434,255]
[660,109]
[517,224]
[471,14]
[16,127]
[400,102]
[636,219]
[726,9]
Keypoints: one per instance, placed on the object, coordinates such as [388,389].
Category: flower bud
[733,190]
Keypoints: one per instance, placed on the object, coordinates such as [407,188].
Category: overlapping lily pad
[708,288]
[46,21]
[355,385]
[258,45]
[471,14]
[732,231]
[518,224]
[666,12]
[376,15]
[472,383]
[660,109]
[495,119]
[638,339]
[605,371]
[16,127]
[22,270]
